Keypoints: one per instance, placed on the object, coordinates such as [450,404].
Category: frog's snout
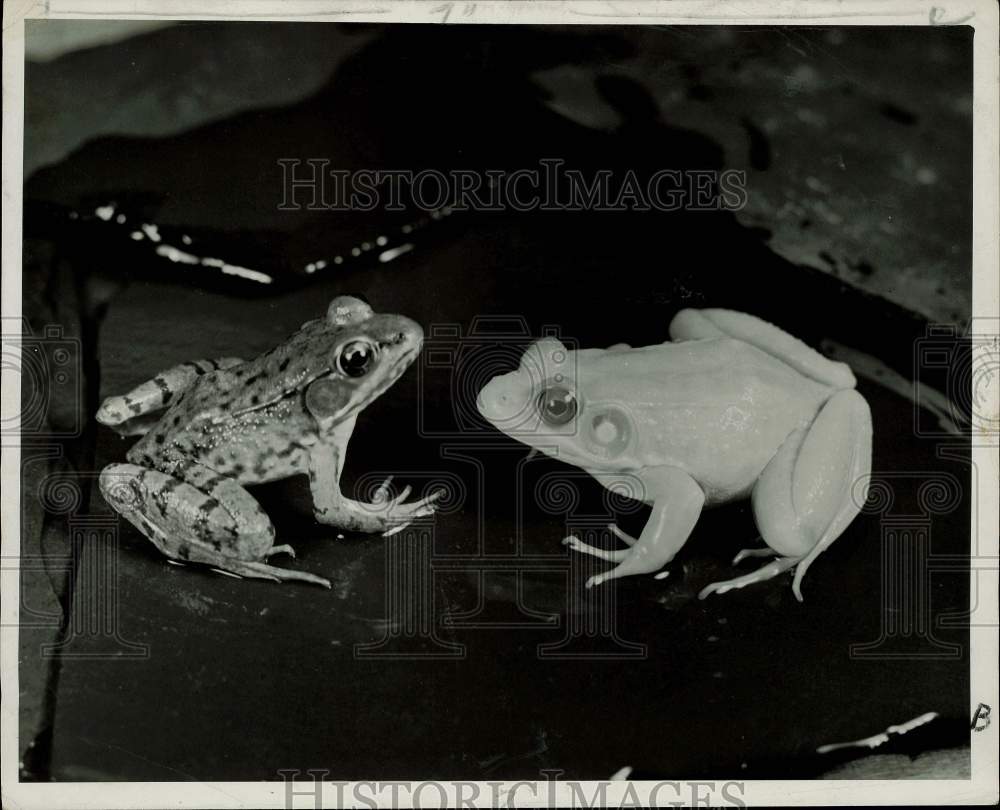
[497,403]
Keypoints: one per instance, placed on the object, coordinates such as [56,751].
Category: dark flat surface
[245,678]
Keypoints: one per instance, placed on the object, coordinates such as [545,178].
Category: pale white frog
[733,407]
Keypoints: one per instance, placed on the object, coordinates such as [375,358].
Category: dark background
[857,231]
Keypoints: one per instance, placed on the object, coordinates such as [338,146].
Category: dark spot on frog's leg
[160,438]
[177,419]
[284,364]
[255,400]
[183,551]
[133,406]
[165,393]
[205,366]
[254,378]
[210,485]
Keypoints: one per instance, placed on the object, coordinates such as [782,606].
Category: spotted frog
[230,422]
[732,407]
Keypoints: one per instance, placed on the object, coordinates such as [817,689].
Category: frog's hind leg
[696,324]
[806,496]
[134,413]
[198,516]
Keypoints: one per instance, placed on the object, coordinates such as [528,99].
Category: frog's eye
[557,405]
[355,358]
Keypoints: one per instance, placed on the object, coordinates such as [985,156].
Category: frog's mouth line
[397,369]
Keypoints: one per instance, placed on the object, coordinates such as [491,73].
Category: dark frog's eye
[557,405]
[355,359]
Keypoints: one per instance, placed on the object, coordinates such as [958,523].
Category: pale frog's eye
[355,359]
[557,405]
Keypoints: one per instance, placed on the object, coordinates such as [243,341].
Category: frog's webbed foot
[399,515]
[396,511]
[576,544]
[612,555]
[772,569]
[254,570]
[677,503]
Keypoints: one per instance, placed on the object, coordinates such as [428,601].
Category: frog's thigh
[198,516]
[804,498]
[197,508]
[677,503]
[694,324]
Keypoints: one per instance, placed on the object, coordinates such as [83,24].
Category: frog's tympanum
[230,422]
[732,407]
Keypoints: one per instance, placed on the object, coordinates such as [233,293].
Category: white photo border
[982,15]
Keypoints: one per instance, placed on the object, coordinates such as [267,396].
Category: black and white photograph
[474,404]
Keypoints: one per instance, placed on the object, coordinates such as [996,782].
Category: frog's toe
[402,496]
[425,506]
[772,569]
[767,551]
[233,566]
[381,495]
[284,549]
[226,573]
[625,537]
[576,544]
[396,529]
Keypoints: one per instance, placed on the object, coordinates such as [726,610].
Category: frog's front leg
[198,516]
[804,499]
[382,514]
[134,413]
[677,503]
